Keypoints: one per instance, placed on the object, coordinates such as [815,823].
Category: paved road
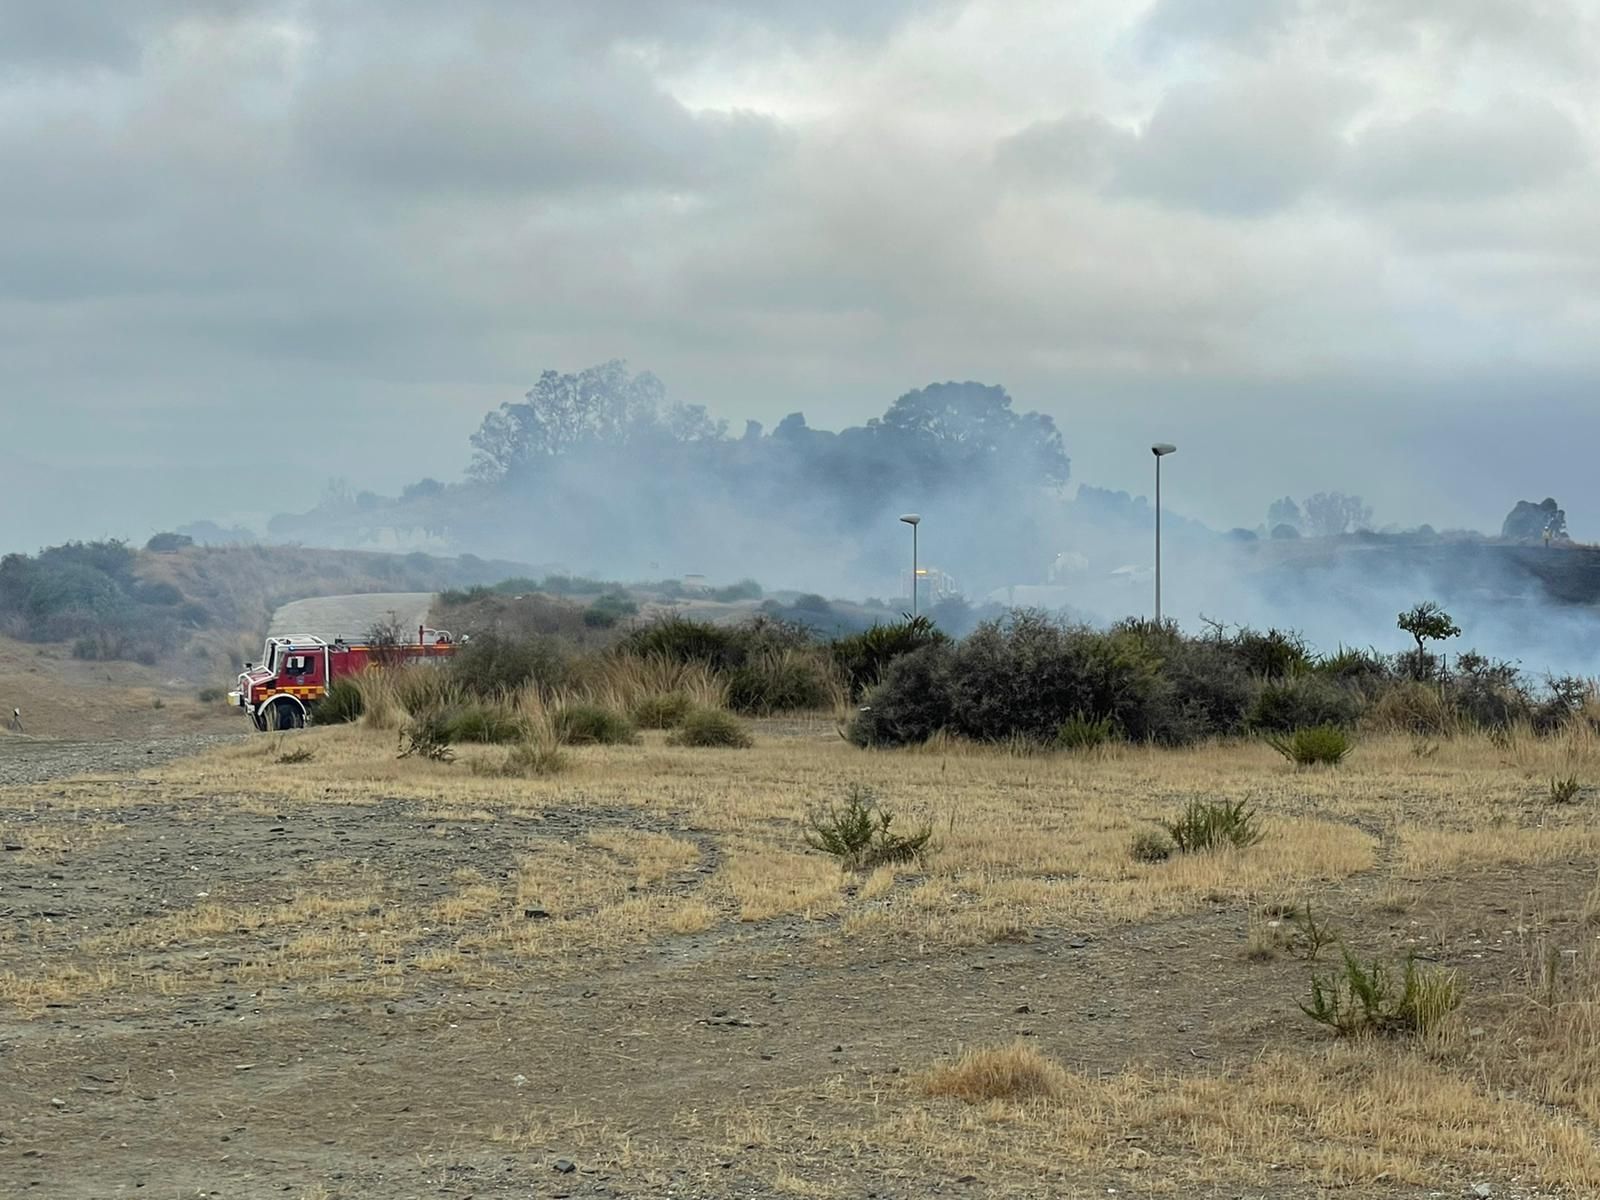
[351,616]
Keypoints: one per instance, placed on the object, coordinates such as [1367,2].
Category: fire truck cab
[282,690]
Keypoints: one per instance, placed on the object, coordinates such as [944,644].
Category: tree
[1428,622]
[1329,514]
[972,425]
[1528,522]
[601,405]
[1284,512]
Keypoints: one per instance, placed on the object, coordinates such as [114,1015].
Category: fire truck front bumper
[237,700]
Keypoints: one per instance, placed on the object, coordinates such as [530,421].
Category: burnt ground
[637,1062]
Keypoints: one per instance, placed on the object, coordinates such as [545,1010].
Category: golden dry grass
[1007,1073]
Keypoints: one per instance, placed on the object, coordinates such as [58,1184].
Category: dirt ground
[242,975]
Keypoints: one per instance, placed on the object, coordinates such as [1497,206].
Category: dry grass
[1013,1073]
[1352,1115]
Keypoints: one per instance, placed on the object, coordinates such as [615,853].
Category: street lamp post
[1160,450]
[913,520]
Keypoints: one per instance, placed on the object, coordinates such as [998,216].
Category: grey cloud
[1083,148]
[1248,25]
[534,126]
[1454,156]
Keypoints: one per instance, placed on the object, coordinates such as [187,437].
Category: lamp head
[1161,448]
[912,519]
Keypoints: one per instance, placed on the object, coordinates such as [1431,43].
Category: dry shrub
[661,710]
[1413,707]
[1017,1072]
[624,681]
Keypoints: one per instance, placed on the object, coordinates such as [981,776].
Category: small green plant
[1204,825]
[711,727]
[341,703]
[158,702]
[858,833]
[593,725]
[1362,999]
[1150,846]
[427,735]
[661,710]
[301,754]
[210,695]
[1564,790]
[1320,745]
[1079,732]
[1311,935]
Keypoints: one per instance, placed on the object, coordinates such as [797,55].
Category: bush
[858,833]
[683,641]
[1489,693]
[593,725]
[610,608]
[487,723]
[1361,1000]
[1275,654]
[1565,790]
[711,727]
[1301,702]
[493,665]
[1364,670]
[660,710]
[1320,745]
[864,657]
[340,704]
[1204,825]
[166,543]
[779,682]
[427,735]
[1078,732]
[530,759]
[1151,846]
[1411,707]
[910,705]
[210,695]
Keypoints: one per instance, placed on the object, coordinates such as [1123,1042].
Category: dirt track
[350,616]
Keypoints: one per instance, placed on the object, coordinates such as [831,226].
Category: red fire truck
[281,692]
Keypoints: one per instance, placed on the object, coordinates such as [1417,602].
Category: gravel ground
[26,760]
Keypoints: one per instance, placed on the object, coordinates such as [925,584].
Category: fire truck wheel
[285,714]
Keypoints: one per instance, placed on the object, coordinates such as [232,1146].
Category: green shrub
[711,727]
[779,682]
[427,735]
[680,640]
[210,695]
[529,759]
[166,543]
[660,710]
[1362,999]
[1365,670]
[1275,654]
[340,704]
[864,657]
[859,833]
[1300,702]
[1205,824]
[493,665]
[487,723]
[593,725]
[608,609]
[1078,732]
[910,705]
[1565,791]
[1151,846]
[1321,745]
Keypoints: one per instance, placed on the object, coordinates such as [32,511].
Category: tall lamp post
[913,520]
[1160,450]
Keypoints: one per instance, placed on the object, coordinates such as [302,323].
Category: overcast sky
[1328,244]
